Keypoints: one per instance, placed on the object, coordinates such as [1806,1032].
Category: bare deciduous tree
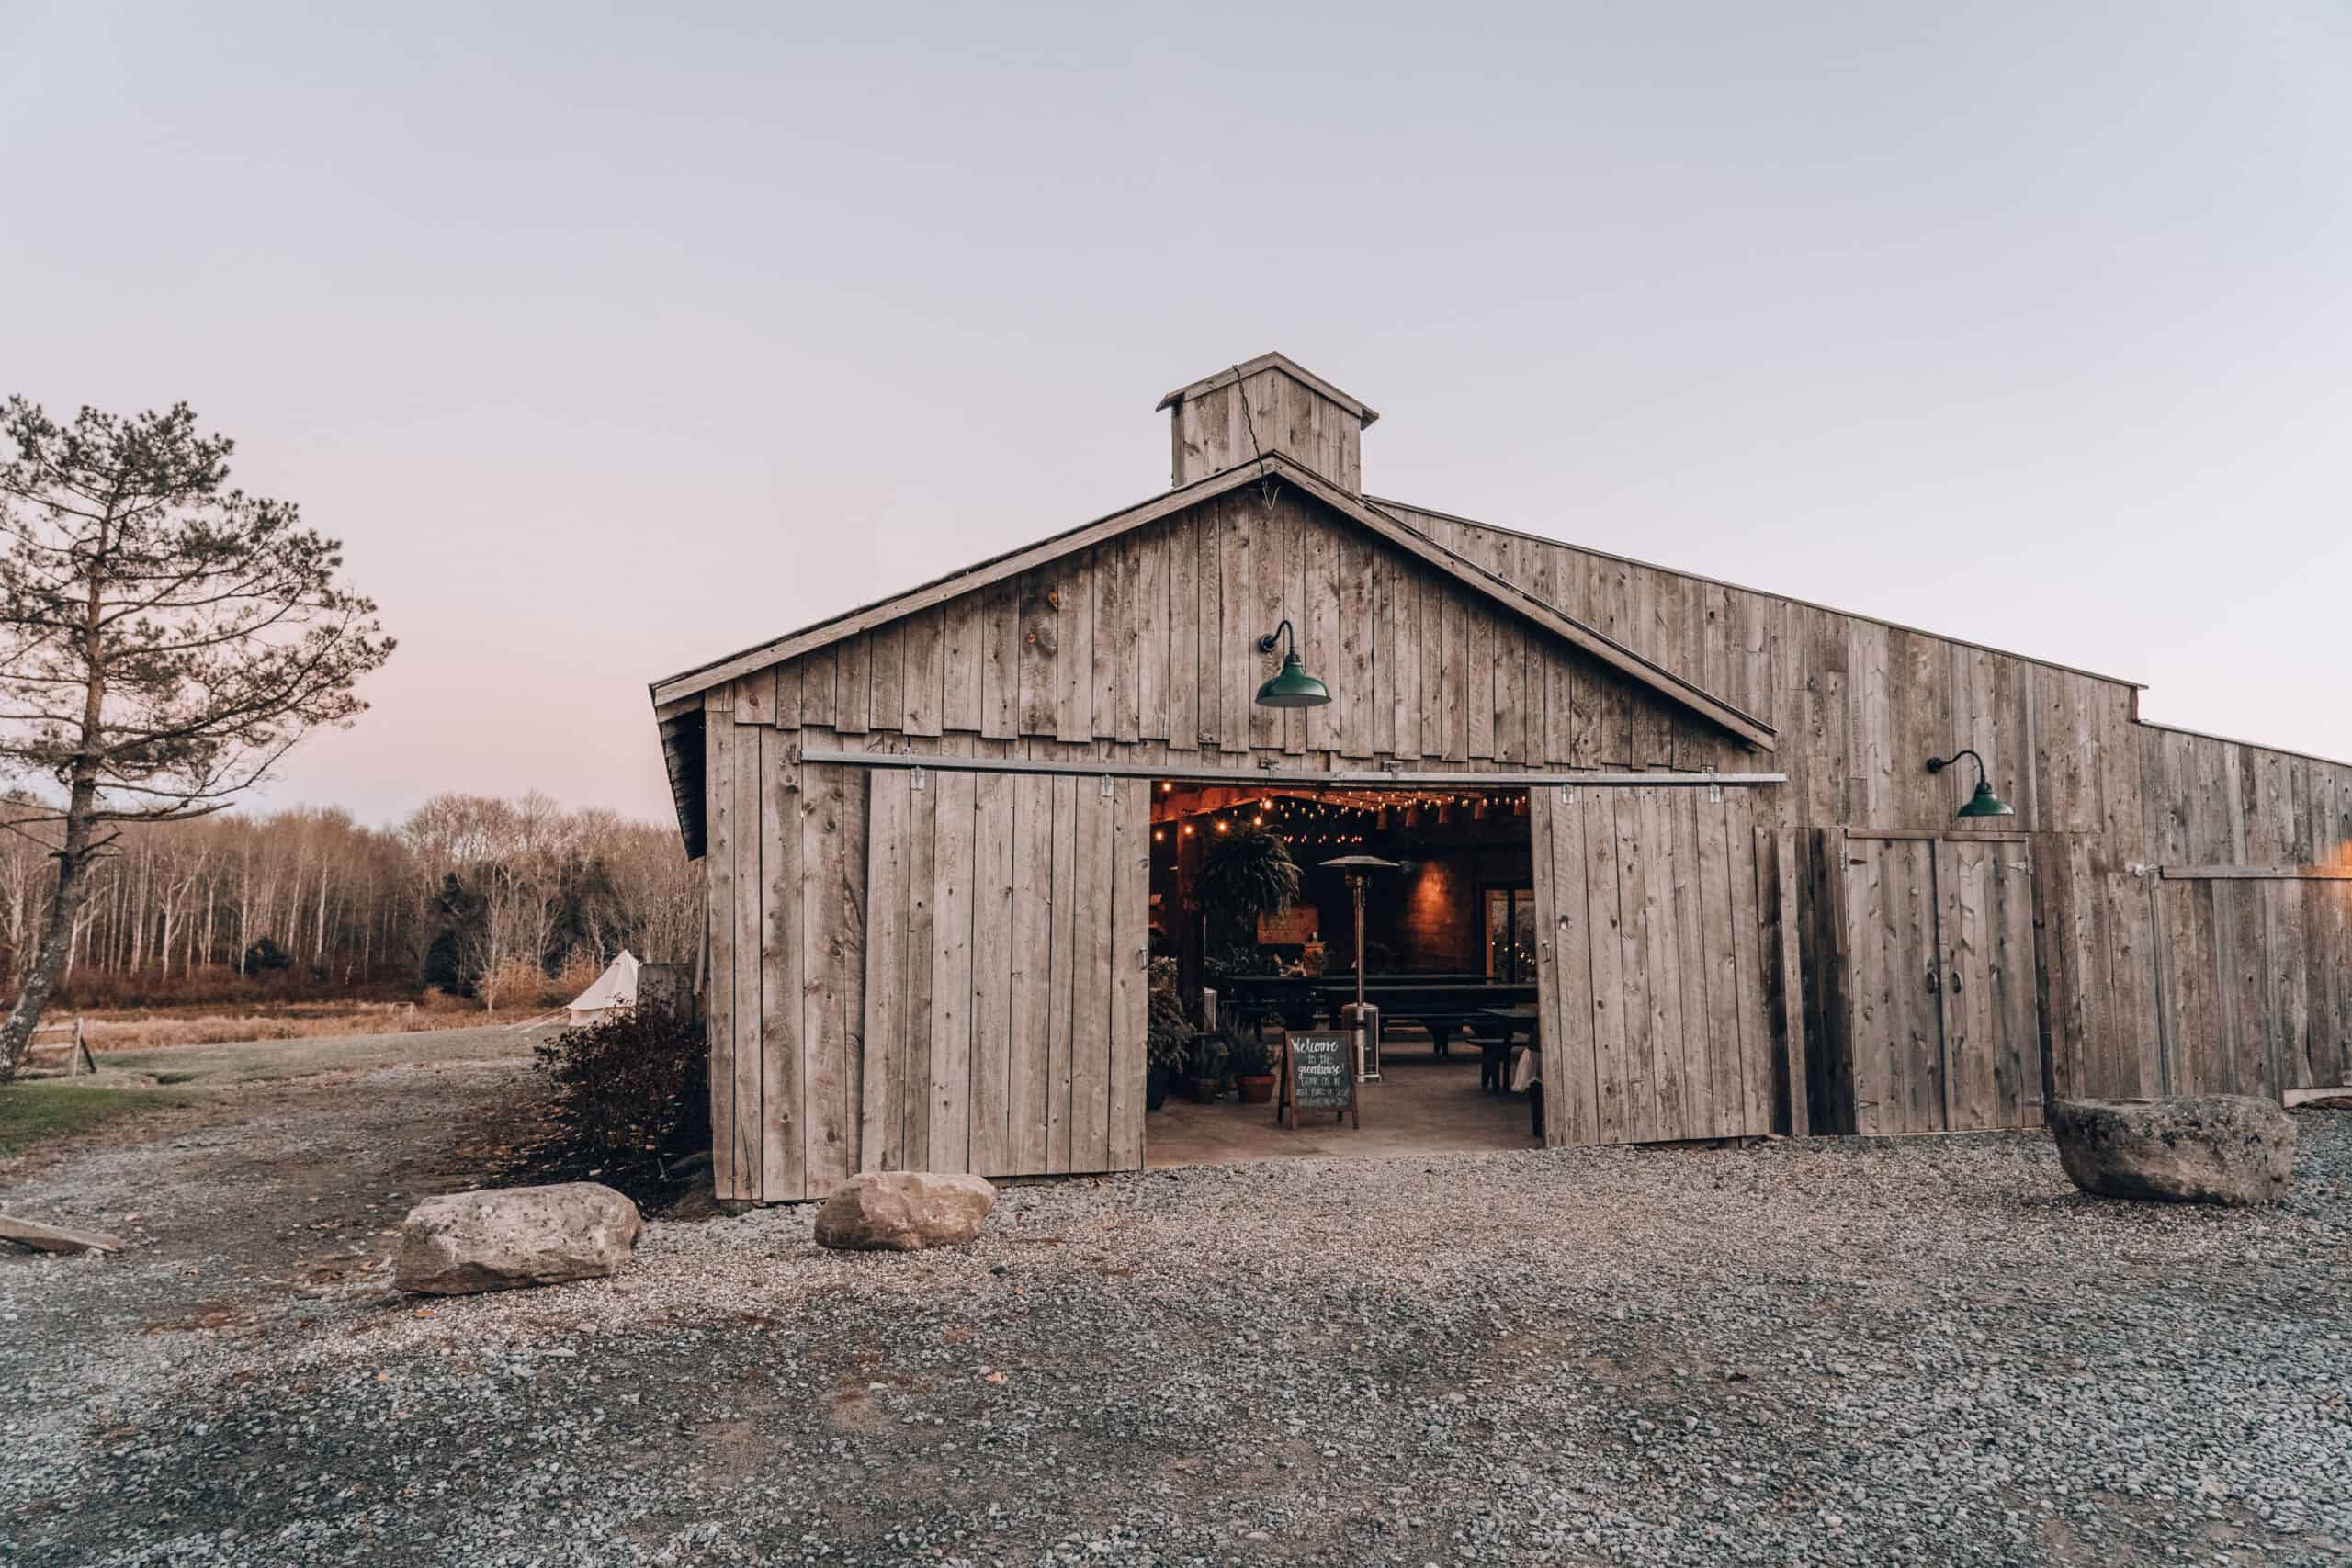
[163,639]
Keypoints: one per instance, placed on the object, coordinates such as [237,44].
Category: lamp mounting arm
[1281,634]
[1937,764]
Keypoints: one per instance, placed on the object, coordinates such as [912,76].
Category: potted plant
[1253,1071]
[1168,1037]
[1210,1054]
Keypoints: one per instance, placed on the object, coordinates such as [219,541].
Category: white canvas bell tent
[616,988]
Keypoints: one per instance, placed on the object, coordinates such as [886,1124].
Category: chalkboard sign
[1319,1074]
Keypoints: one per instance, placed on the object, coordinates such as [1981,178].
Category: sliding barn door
[1940,1029]
[1008,935]
[1651,966]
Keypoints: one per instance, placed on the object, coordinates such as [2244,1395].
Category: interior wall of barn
[2150,981]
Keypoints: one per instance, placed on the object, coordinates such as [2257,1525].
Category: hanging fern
[1245,876]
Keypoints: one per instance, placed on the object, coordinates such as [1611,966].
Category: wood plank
[756,698]
[1130,972]
[1387,639]
[923,636]
[1572,1106]
[922,891]
[1613,1008]
[1757,1036]
[787,696]
[1359,634]
[1715,962]
[1030,1033]
[2255,873]
[1152,630]
[1239,608]
[1972,1042]
[1000,649]
[1433,684]
[882,1117]
[833,849]
[1479,678]
[1040,654]
[1512,694]
[1923,1052]
[1061,984]
[1639,977]
[1319,628]
[1787,956]
[749,1012]
[1872,1033]
[820,681]
[1542,805]
[1118,616]
[1267,556]
[39,1235]
[1090,979]
[962,660]
[719,864]
[782,956]
[954,896]
[1073,596]
[2017,1082]
[853,689]
[992,964]
[1208,533]
[886,660]
[1183,674]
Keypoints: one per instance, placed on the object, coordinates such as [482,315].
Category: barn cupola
[1267,405]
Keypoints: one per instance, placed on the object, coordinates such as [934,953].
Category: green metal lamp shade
[1985,802]
[1293,687]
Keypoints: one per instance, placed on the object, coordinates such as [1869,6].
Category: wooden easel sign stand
[1317,1074]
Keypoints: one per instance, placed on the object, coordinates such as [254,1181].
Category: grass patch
[30,1112]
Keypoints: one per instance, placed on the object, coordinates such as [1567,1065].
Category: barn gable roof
[671,695]
[677,700]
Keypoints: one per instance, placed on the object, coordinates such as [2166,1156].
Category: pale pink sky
[611,342]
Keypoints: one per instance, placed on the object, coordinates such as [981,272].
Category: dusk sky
[611,342]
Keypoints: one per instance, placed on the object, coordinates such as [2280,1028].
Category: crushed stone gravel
[1916,1351]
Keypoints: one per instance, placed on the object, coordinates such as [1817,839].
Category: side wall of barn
[2194,932]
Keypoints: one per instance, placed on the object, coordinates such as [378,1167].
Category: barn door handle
[1955,981]
[1934,982]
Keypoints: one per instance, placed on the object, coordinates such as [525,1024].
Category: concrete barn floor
[1423,1103]
[1832,1351]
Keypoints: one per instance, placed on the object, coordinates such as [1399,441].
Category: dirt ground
[1929,1351]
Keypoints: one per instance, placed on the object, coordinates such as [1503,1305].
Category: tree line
[492,898]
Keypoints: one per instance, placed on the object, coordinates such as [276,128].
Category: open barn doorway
[1253,933]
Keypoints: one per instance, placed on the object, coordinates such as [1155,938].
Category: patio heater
[1363,1018]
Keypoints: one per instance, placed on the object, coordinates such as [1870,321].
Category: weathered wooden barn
[926,824]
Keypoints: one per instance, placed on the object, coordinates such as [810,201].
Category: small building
[946,831]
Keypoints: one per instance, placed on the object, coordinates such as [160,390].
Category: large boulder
[2219,1148]
[904,1211]
[506,1237]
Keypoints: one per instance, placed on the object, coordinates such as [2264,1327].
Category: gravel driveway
[1923,1351]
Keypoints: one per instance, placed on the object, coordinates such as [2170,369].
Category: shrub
[635,1079]
[516,982]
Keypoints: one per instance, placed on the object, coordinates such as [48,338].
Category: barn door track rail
[1350,778]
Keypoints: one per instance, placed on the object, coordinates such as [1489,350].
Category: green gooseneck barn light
[1291,686]
[1983,803]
